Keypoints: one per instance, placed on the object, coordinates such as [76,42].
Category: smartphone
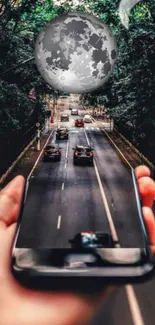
[86,261]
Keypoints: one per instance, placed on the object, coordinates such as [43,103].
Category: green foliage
[20,22]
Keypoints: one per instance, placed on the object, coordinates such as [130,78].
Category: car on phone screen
[64,118]
[79,122]
[83,154]
[90,239]
[87,119]
[74,111]
[52,152]
[62,133]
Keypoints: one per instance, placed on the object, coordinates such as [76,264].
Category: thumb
[10,201]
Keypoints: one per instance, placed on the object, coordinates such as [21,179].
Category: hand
[147,192]
[20,306]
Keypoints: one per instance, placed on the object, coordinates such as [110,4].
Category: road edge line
[36,162]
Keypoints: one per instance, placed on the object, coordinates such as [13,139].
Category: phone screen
[51,237]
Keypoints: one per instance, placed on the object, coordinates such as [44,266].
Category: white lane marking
[134,306]
[131,296]
[63,186]
[109,217]
[59,222]
[67,149]
[87,137]
[34,166]
[65,165]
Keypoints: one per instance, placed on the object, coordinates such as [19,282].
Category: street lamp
[38,136]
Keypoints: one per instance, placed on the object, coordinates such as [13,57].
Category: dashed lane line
[59,222]
[67,149]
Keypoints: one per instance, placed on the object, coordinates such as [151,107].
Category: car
[87,119]
[74,111]
[90,239]
[62,133]
[64,118]
[52,152]
[71,106]
[83,153]
[79,122]
[64,95]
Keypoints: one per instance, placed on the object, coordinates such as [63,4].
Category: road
[64,199]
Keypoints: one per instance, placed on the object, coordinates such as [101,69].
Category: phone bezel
[110,274]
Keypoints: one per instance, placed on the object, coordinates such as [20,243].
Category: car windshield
[62,130]
[82,149]
[52,146]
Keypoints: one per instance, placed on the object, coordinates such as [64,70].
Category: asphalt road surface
[64,199]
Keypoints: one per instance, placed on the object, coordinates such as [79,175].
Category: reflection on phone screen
[65,222]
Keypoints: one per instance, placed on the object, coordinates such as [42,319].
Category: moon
[124,11]
[75,52]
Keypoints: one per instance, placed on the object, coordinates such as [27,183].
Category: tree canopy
[128,94]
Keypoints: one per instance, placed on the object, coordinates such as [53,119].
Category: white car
[74,111]
[87,119]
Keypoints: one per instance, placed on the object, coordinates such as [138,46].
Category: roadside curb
[127,164]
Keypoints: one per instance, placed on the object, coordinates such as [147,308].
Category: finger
[147,190]
[142,171]
[150,224]
[10,200]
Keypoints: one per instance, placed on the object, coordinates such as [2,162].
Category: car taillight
[45,152]
[91,154]
[76,153]
[57,151]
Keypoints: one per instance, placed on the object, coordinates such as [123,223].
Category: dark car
[83,154]
[79,122]
[92,239]
[52,152]
[64,95]
[62,134]
[64,117]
